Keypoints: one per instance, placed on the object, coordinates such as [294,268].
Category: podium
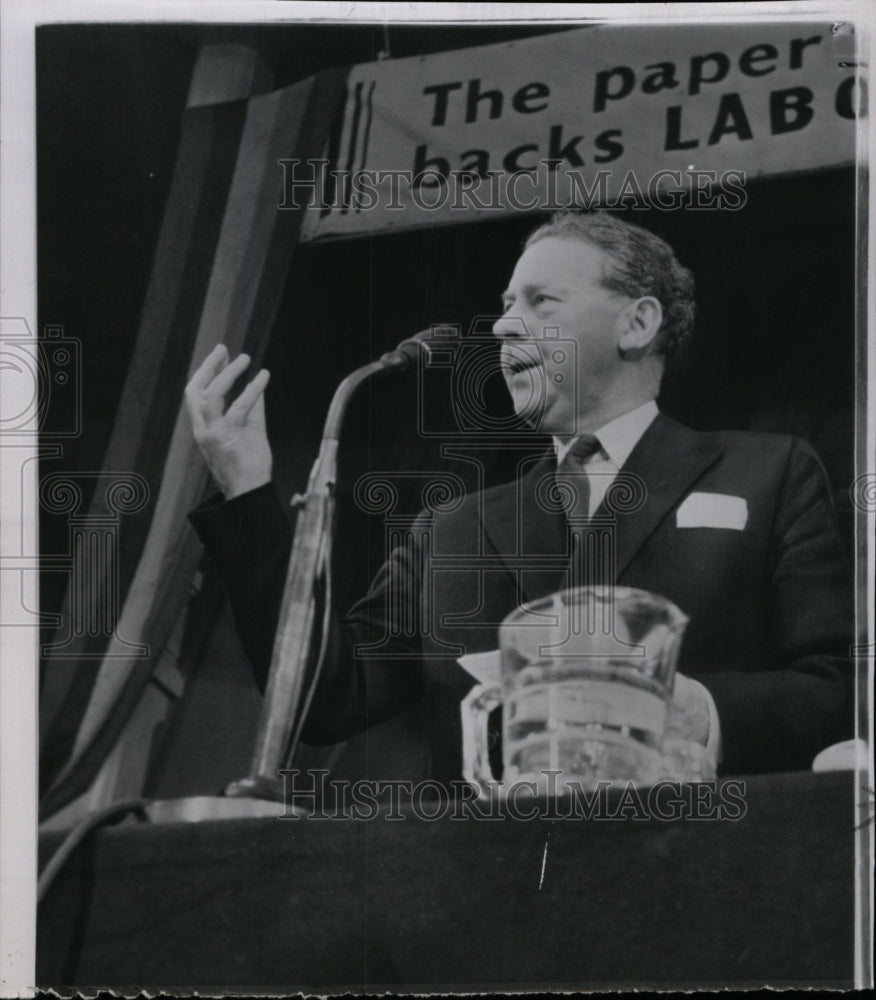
[410,905]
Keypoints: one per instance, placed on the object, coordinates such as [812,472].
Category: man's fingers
[208,387]
[196,398]
[251,395]
[209,368]
[227,377]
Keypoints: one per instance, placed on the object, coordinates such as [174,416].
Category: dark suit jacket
[770,606]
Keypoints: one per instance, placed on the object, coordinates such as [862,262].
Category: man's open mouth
[517,362]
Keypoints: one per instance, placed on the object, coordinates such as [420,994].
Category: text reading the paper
[789,110]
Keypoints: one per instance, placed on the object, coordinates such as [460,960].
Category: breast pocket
[721,538]
[713,551]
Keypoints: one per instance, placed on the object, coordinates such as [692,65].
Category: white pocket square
[712,510]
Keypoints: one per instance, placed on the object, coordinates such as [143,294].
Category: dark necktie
[573,480]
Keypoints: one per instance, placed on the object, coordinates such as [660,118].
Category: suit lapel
[667,460]
[534,542]
[531,538]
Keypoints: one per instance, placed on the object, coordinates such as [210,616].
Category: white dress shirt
[616,439]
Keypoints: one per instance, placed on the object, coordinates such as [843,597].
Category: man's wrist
[223,525]
[237,489]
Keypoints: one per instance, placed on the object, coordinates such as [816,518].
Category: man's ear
[641,323]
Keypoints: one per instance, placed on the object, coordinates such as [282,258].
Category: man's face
[559,333]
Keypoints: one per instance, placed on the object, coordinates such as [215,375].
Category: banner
[668,115]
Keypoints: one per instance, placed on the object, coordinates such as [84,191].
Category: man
[737,529]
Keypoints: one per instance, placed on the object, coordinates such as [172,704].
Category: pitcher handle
[475,708]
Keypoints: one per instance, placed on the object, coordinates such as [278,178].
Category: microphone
[410,353]
[286,699]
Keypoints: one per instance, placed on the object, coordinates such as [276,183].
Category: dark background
[775,341]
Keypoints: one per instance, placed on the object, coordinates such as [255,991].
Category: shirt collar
[618,437]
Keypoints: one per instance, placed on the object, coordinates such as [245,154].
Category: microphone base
[213,808]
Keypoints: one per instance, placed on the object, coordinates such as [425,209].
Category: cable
[79,832]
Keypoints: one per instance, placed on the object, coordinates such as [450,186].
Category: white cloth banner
[668,115]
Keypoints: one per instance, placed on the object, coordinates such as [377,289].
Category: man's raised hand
[233,441]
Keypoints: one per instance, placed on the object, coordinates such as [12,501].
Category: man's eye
[539,299]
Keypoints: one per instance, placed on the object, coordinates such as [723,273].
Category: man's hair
[640,264]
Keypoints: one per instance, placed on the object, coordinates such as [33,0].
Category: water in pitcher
[586,679]
[588,720]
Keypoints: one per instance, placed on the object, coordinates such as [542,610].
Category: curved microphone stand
[283,710]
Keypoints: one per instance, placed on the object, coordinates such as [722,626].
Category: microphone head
[413,350]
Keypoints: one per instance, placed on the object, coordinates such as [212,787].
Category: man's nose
[510,327]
